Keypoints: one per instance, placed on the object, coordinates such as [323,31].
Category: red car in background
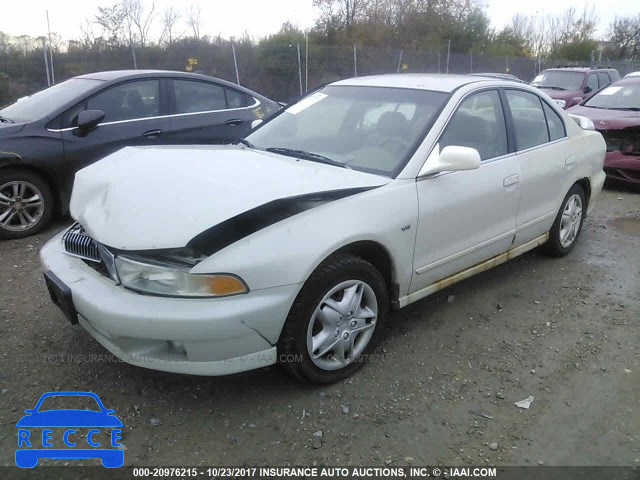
[615,112]
[568,86]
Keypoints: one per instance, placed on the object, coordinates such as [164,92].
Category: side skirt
[464,274]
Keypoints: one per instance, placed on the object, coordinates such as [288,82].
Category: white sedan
[292,247]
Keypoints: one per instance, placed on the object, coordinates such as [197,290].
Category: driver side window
[478,123]
[126,101]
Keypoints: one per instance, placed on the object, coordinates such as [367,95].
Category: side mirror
[576,101]
[255,123]
[29,411]
[89,119]
[586,89]
[452,159]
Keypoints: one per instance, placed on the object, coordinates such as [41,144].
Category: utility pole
[53,78]
[235,62]
[133,52]
[399,62]
[448,54]
[299,68]
[355,60]
[306,62]
[46,61]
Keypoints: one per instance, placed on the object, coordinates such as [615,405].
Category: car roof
[627,81]
[120,74]
[113,75]
[503,76]
[61,393]
[441,82]
[579,69]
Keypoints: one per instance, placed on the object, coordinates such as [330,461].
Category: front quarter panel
[287,252]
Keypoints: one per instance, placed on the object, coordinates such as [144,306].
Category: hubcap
[21,206]
[342,325]
[571,220]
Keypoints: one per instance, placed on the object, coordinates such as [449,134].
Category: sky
[259,17]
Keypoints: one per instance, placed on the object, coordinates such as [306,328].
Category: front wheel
[568,223]
[336,320]
[26,204]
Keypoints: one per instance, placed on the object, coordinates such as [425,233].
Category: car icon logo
[38,428]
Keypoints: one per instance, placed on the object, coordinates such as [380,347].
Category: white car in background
[369,193]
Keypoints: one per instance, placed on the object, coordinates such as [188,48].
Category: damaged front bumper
[622,168]
[216,336]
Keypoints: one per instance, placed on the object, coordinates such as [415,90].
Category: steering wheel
[394,144]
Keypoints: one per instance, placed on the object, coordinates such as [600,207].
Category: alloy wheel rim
[21,206]
[342,325]
[571,220]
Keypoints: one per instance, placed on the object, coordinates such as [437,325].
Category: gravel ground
[440,389]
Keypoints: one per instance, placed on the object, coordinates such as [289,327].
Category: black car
[47,137]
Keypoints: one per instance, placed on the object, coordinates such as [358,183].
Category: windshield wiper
[244,142]
[550,87]
[632,109]
[314,157]
[5,120]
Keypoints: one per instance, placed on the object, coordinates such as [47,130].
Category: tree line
[121,36]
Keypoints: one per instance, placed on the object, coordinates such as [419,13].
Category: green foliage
[624,38]
[576,50]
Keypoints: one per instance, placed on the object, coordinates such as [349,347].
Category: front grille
[78,243]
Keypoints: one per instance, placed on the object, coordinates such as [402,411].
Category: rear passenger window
[236,99]
[478,123]
[192,96]
[604,79]
[592,82]
[556,126]
[528,119]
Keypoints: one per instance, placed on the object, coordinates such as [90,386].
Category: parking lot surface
[440,389]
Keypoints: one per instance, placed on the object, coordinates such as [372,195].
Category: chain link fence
[281,72]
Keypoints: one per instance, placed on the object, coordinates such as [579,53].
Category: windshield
[66,402]
[621,97]
[560,80]
[44,102]
[371,129]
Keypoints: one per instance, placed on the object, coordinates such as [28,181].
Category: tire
[559,244]
[350,333]
[32,216]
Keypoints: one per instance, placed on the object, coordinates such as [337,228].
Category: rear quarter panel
[589,148]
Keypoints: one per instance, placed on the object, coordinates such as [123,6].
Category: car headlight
[174,280]
[562,103]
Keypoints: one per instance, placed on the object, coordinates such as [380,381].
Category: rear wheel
[568,223]
[336,320]
[26,204]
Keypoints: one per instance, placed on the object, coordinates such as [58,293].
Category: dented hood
[162,197]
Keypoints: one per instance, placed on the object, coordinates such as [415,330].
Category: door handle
[152,134]
[512,180]
[570,160]
[234,122]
